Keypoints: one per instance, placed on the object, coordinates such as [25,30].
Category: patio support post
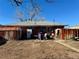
[67,33]
[77,32]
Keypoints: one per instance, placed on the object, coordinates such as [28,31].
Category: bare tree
[18,2]
[35,8]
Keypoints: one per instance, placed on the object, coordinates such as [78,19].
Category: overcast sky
[63,11]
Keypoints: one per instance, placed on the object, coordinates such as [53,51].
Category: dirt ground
[73,43]
[36,49]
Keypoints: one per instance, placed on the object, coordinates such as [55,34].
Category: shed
[71,31]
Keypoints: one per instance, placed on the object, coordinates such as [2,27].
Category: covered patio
[30,29]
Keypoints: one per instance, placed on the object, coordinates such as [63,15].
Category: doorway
[29,33]
[58,33]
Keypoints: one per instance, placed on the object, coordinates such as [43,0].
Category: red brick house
[24,29]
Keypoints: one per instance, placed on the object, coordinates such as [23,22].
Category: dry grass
[34,49]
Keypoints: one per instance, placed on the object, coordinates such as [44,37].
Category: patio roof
[37,23]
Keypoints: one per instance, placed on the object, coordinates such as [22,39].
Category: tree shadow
[2,40]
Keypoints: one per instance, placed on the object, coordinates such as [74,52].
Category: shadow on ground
[3,41]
